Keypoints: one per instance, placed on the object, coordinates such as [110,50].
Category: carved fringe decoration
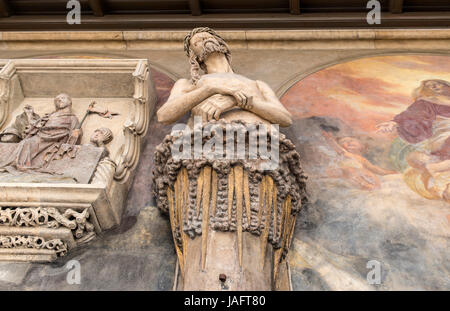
[273,220]
[238,184]
[230,195]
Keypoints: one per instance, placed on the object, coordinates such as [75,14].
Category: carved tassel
[184,207]
[199,193]
[186,192]
[178,200]
[275,212]
[276,263]
[292,226]
[230,195]
[287,221]
[172,224]
[262,198]
[205,211]
[247,197]
[214,187]
[286,211]
[238,178]
[265,233]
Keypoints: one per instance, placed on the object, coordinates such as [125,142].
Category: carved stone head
[102,136]
[199,44]
[62,101]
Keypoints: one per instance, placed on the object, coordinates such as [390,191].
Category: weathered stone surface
[79,169]
[53,165]
[13,274]
[83,166]
[135,256]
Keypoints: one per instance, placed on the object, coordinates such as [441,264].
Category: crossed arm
[182,99]
[185,97]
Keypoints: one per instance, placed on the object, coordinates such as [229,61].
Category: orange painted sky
[364,92]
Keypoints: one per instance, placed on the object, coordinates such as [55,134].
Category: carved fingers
[213,107]
[243,101]
[207,110]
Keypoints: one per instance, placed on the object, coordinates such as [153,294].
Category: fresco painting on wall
[381,118]
[374,136]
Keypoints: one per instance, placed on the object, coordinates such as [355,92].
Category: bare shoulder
[265,88]
[183,84]
[180,87]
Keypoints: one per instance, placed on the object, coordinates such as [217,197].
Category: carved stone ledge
[31,248]
[34,242]
[49,217]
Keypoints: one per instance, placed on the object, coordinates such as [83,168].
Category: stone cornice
[399,39]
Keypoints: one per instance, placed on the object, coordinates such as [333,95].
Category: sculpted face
[97,137]
[203,44]
[101,136]
[62,101]
[198,42]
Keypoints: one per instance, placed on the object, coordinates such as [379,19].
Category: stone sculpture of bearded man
[219,93]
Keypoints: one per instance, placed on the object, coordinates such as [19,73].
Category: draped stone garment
[31,152]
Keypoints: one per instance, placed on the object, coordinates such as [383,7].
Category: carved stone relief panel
[70,139]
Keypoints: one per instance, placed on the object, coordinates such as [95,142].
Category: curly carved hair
[107,134]
[196,63]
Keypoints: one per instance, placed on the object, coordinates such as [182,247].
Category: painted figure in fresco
[352,165]
[426,126]
[44,137]
[219,93]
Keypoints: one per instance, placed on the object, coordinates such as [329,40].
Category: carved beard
[210,46]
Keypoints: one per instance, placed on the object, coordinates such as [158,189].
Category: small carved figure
[44,137]
[16,132]
[101,137]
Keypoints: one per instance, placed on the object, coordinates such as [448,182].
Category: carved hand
[74,135]
[214,106]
